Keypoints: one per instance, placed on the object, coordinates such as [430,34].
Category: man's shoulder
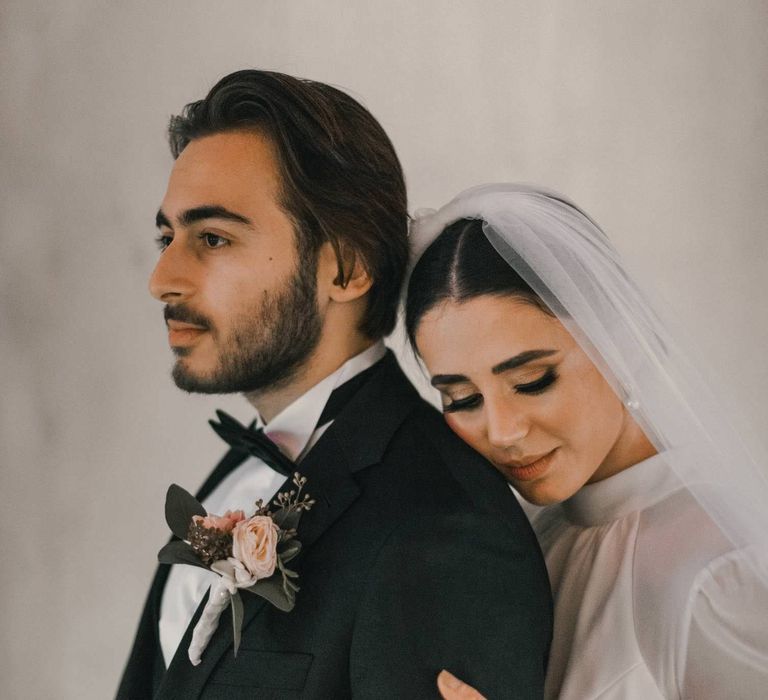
[425,442]
[433,495]
[388,417]
[427,470]
[423,446]
[400,449]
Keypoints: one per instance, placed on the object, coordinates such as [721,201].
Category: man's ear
[350,279]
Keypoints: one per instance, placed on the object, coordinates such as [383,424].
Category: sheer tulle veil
[569,262]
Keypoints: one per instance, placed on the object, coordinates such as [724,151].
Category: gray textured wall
[650,115]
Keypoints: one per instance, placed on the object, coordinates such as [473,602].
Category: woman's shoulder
[693,577]
[679,537]
[727,638]
[679,546]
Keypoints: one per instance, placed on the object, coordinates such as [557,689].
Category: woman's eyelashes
[464,404]
[539,386]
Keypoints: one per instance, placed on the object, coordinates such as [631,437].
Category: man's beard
[266,346]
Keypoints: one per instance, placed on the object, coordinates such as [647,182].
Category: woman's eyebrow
[521,359]
[516,361]
[443,379]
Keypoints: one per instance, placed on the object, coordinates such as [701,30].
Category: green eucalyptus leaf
[289,586]
[237,619]
[180,506]
[287,519]
[272,590]
[178,552]
[288,550]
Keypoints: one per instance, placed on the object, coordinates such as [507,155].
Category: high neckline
[637,487]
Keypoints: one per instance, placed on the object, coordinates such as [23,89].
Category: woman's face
[517,387]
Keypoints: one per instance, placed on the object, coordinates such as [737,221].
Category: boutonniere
[248,554]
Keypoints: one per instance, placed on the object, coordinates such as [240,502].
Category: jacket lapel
[356,440]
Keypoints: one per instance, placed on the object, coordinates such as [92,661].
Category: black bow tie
[254,441]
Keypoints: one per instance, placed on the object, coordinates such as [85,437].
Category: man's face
[241,308]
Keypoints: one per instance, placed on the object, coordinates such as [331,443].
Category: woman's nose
[506,423]
[172,280]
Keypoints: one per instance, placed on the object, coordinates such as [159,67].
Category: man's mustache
[185,315]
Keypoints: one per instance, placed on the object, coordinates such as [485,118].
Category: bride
[550,363]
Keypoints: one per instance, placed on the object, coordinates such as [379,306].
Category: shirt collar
[293,427]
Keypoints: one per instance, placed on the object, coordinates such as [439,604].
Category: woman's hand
[451,688]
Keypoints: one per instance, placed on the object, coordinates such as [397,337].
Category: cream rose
[254,542]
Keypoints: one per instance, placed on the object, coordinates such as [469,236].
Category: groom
[283,237]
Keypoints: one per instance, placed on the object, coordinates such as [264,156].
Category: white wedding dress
[651,600]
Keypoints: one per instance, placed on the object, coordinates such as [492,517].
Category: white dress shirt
[295,431]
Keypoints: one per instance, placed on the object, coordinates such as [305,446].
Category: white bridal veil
[568,261]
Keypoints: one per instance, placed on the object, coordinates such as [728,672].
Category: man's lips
[529,467]
[180,334]
[180,326]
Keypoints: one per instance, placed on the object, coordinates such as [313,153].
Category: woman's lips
[528,470]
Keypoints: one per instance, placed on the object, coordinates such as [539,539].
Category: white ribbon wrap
[233,576]
[218,601]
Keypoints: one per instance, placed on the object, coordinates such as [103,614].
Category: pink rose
[224,523]
[254,542]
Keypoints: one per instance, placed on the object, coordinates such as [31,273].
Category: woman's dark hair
[459,265]
[341,180]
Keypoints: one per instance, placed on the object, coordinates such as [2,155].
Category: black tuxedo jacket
[416,557]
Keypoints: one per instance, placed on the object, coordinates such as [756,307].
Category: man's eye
[163,242]
[211,240]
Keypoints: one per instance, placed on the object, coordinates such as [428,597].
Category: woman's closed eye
[534,388]
[540,385]
[463,404]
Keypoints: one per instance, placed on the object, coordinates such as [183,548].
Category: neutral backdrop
[651,115]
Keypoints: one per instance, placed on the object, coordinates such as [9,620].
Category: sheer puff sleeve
[727,651]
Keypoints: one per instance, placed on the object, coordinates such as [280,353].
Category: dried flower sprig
[209,543]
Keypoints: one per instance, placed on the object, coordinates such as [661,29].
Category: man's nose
[506,422]
[172,280]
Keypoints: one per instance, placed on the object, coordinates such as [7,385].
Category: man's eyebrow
[208,211]
[511,363]
[521,359]
[162,220]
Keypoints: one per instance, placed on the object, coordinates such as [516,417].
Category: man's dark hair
[341,180]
